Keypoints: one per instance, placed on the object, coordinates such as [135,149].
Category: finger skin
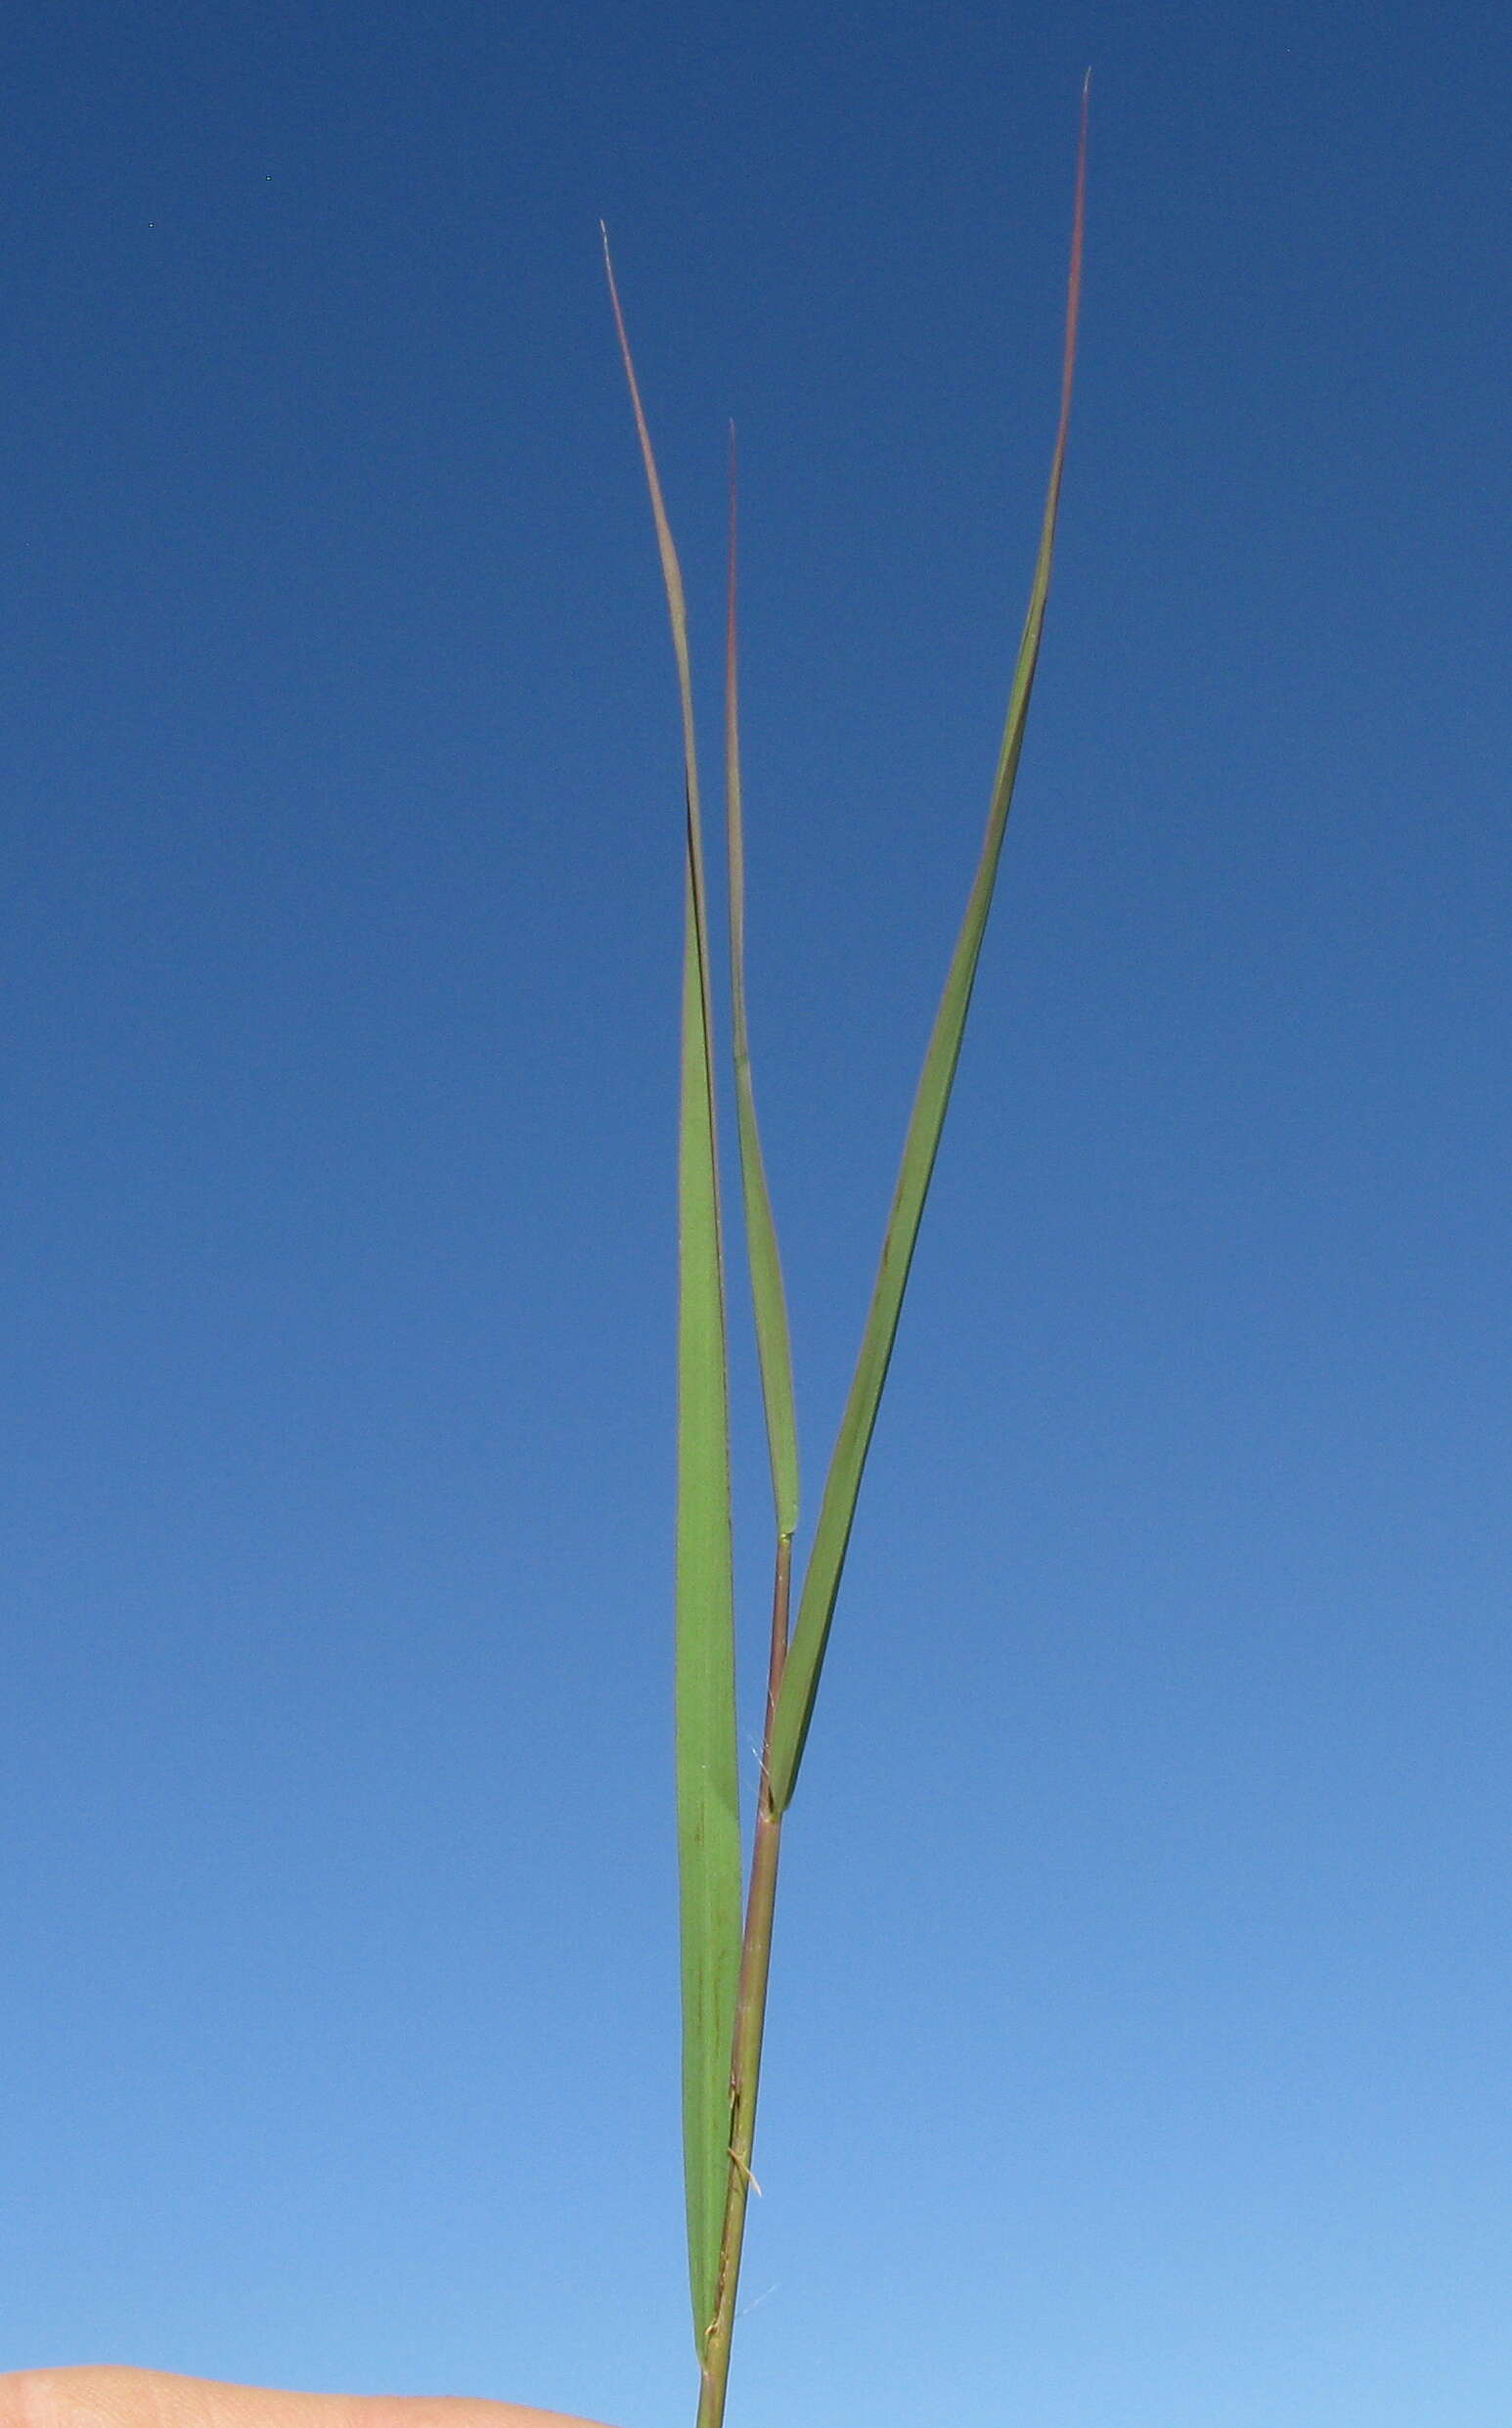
[109,2398]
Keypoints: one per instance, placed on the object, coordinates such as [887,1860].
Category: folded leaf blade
[773,1344]
[709,1859]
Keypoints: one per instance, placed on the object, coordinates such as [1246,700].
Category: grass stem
[750,2021]
[726,1967]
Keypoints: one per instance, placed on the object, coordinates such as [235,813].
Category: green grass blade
[800,1679]
[707,1752]
[773,1340]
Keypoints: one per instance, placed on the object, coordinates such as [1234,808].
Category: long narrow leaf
[707,1749]
[773,1340]
[811,1635]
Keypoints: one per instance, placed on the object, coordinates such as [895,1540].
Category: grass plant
[726,1928]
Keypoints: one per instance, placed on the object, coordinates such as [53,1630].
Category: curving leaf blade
[838,1511]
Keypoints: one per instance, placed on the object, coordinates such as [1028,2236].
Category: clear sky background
[1141,2040]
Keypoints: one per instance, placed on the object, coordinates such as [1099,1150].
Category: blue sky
[1140,2035]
